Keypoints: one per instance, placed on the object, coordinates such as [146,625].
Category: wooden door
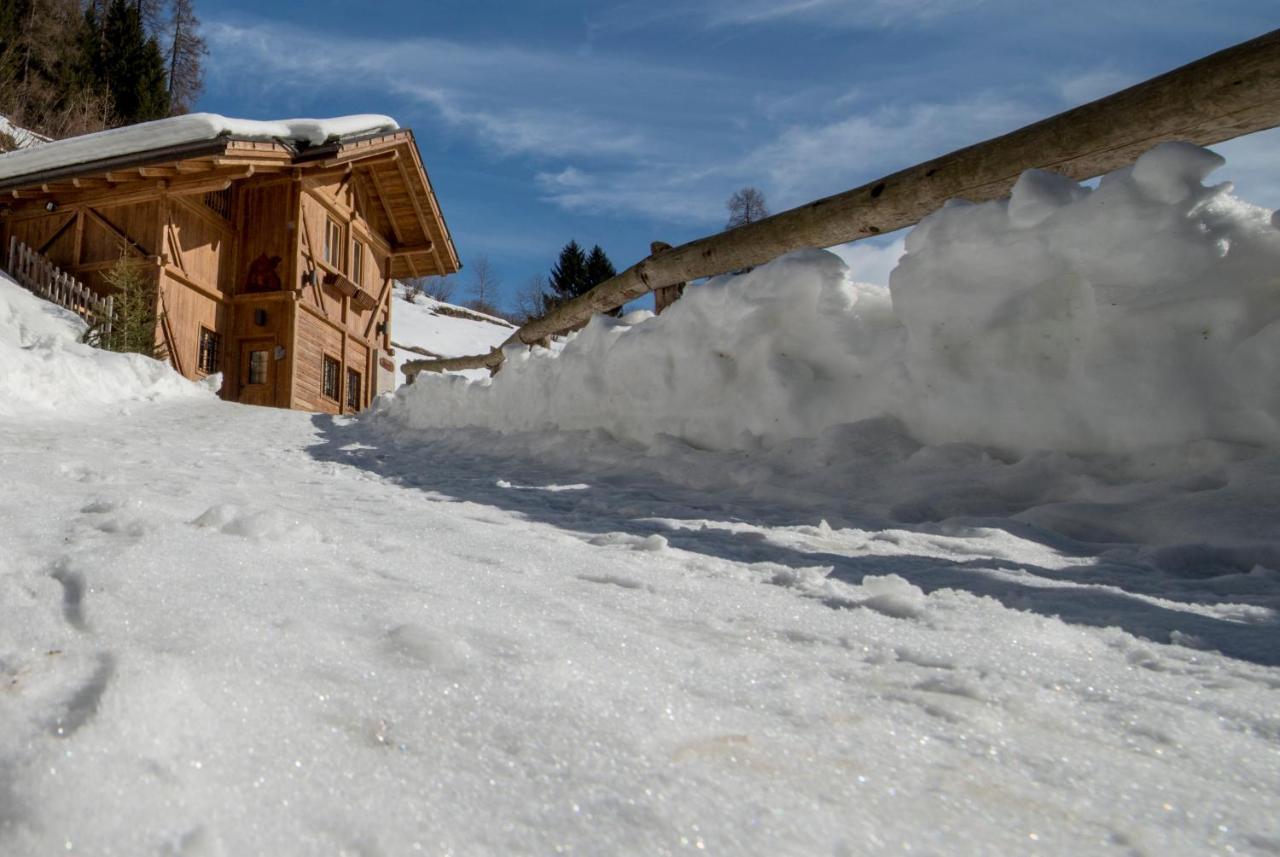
[258,372]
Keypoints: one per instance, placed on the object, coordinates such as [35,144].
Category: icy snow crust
[179,130]
[1143,313]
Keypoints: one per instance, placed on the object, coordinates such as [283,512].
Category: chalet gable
[204,153]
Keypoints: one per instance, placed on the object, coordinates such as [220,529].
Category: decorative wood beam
[411,249]
[382,200]
[125,241]
[422,218]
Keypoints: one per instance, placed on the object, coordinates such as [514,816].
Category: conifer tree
[568,275]
[133,67]
[133,329]
[599,269]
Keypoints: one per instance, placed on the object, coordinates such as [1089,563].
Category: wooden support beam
[410,249]
[417,209]
[1223,96]
[382,200]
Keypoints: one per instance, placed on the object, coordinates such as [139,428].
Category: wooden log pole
[1226,95]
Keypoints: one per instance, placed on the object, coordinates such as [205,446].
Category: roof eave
[203,148]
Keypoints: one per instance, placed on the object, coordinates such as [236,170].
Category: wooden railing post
[37,274]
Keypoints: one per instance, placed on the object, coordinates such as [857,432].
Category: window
[331,368]
[210,351]
[333,243]
[258,367]
[219,201]
[357,263]
[353,389]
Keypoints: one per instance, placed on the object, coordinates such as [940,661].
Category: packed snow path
[228,630]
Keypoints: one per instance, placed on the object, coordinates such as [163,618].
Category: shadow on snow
[1101,593]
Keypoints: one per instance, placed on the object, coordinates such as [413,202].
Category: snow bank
[1144,312]
[180,130]
[44,366]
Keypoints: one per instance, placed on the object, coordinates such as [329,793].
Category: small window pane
[258,367]
[357,263]
[353,389]
[333,243]
[331,368]
[210,351]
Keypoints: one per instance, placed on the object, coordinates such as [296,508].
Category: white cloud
[1092,85]
[806,162]
[514,100]
[872,260]
[855,13]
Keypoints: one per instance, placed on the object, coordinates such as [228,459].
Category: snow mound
[44,366]
[180,130]
[1145,312]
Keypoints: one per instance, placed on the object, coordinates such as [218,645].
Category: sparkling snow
[232,630]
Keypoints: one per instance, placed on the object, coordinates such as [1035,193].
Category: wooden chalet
[273,255]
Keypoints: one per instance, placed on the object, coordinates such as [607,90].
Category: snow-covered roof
[186,130]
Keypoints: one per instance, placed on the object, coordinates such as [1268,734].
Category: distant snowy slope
[443,329]
[44,366]
[17,137]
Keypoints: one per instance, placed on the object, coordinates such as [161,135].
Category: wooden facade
[273,265]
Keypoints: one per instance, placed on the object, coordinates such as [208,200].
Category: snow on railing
[34,272]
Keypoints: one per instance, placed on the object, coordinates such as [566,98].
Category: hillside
[13,137]
[443,329]
[799,567]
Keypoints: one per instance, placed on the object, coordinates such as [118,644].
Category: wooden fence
[36,273]
[1226,95]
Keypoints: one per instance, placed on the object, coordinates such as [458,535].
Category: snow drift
[44,366]
[1143,312]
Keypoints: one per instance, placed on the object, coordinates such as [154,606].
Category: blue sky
[620,123]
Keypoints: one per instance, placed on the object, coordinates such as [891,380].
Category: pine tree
[186,48]
[133,328]
[568,275]
[132,66]
[599,269]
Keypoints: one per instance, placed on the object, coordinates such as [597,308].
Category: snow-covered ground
[232,630]
[21,137]
[443,329]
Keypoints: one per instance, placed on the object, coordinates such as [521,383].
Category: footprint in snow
[83,704]
[73,588]
[616,580]
[428,646]
[653,543]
